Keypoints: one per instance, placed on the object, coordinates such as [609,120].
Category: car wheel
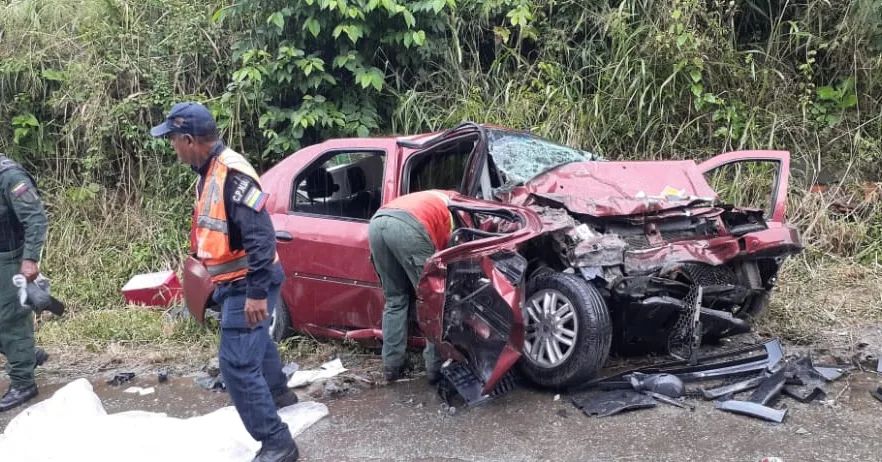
[568,330]
[280,326]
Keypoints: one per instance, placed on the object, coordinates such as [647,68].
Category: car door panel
[331,281]
[778,198]
[470,297]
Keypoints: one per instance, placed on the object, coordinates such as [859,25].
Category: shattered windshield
[520,156]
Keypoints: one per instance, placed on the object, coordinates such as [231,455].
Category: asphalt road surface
[406,422]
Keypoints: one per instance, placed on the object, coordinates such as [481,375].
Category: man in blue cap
[232,235]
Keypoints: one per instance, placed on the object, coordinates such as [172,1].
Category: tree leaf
[53,75]
[827,93]
[409,19]
[277,19]
[313,26]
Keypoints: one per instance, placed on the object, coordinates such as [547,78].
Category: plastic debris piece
[140,391]
[290,369]
[209,382]
[326,371]
[121,378]
[607,403]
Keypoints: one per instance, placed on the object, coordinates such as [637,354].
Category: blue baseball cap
[191,118]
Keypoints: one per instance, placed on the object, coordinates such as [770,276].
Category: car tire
[587,320]
[280,327]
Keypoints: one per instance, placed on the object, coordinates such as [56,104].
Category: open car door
[470,296]
[751,178]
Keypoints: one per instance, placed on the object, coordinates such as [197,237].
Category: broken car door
[470,295]
[757,179]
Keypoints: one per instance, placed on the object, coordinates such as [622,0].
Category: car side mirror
[284,236]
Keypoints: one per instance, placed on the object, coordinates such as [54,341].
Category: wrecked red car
[558,256]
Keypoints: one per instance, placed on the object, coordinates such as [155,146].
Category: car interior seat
[319,185]
[358,203]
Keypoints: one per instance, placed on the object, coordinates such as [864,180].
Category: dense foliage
[82,80]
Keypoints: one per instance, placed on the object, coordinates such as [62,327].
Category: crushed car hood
[605,189]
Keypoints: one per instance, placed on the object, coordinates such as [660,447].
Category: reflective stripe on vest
[210,229]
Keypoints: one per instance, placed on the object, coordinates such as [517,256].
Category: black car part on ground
[706,369]
[121,378]
[731,389]
[757,405]
[610,402]
[458,380]
[664,384]
[877,393]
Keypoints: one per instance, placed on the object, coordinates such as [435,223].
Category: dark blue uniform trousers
[251,367]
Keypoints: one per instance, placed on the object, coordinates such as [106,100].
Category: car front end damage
[650,268]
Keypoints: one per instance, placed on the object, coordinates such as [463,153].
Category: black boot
[288,453]
[285,398]
[41,355]
[16,396]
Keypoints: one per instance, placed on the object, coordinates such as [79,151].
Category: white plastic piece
[326,371]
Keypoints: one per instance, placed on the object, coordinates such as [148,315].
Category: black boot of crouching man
[41,355]
[16,396]
[287,453]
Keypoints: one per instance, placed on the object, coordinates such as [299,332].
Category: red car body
[612,224]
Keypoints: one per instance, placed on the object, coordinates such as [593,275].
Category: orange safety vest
[209,232]
[430,209]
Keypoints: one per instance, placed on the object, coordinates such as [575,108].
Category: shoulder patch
[247,193]
[24,191]
[20,188]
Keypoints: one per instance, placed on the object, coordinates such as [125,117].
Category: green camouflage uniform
[22,233]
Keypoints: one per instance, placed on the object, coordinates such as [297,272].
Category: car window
[442,167]
[340,184]
[522,156]
[747,183]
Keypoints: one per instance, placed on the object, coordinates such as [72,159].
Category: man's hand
[255,311]
[30,270]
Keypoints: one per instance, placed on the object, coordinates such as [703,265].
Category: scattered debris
[162,376]
[722,375]
[663,384]
[121,378]
[140,391]
[607,403]
[206,381]
[877,393]
[802,431]
[557,397]
[757,405]
[290,369]
[879,366]
[327,370]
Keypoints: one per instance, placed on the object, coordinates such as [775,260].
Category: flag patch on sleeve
[255,199]
[20,189]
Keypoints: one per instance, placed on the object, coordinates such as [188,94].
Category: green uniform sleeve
[22,195]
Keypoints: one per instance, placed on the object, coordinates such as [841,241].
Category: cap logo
[178,122]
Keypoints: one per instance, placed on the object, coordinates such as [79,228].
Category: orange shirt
[430,209]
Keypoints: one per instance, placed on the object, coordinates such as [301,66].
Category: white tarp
[72,425]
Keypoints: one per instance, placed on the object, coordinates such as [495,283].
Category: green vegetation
[82,80]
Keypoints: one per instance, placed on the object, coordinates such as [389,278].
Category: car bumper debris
[761,369]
